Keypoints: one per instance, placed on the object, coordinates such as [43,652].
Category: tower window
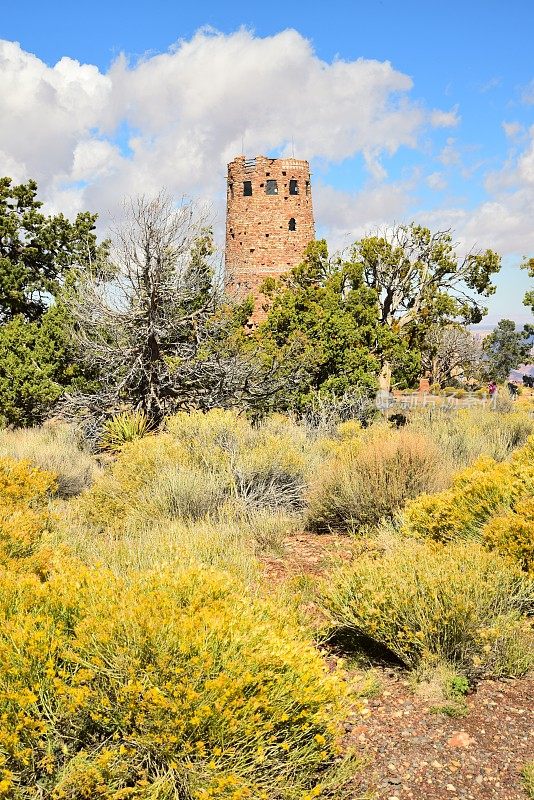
[231,189]
[247,188]
[293,186]
[271,187]
[307,187]
[292,224]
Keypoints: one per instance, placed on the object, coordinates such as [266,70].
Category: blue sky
[444,134]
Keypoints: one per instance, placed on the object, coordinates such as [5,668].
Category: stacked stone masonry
[269,221]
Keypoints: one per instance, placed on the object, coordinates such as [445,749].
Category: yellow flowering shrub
[24,516]
[160,685]
[489,500]
[512,533]
[458,603]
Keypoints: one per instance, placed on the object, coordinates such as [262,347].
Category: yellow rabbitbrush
[489,501]
[455,603]
[24,516]
[160,685]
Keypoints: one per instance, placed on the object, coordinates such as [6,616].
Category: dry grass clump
[369,479]
[140,486]
[160,685]
[473,432]
[527,775]
[232,542]
[199,467]
[268,465]
[458,603]
[54,447]
[490,501]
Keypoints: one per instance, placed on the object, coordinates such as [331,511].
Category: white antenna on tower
[243,145]
[293,145]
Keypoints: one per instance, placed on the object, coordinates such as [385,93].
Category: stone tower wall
[266,233]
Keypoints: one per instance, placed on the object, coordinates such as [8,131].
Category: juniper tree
[422,280]
[325,314]
[38,253]
[37,250]
[505,349]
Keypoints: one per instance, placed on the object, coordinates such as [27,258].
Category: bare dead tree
[155,326]
[452,353]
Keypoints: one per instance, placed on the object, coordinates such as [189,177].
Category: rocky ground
[414,752]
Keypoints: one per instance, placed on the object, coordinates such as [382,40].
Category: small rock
[460,739]
[450,788]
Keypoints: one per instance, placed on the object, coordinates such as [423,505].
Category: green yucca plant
[124,427]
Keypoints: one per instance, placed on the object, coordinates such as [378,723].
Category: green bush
[457,603]
[161,685]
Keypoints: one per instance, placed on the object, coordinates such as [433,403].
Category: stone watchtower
[269,220]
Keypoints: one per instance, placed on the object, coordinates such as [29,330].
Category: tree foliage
[505,349]
[528,300]
[37,256]
[37,364]
[323,313]
[37,251]
[421,280]
[368,318]
[155,326]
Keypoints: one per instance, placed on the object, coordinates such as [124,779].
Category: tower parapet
[269,220]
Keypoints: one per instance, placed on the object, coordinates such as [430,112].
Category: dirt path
[416,754]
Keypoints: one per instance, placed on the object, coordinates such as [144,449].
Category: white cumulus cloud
[175,119]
